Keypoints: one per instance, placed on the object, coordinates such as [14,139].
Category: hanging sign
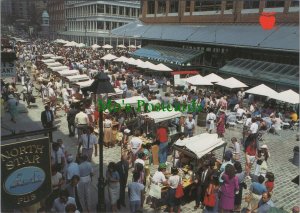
[8,69]
[25,173]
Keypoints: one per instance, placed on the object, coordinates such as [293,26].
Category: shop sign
[8,69]
[25,173]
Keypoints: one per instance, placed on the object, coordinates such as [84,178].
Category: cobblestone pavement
[286,193]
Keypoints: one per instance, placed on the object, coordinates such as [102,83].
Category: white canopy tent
[201,144]
[139,62]
[131,61]
[71,44]
[121,59]
[84,84]
[162,67]
[61,41]
[51,60]
[57,57]
[139,46]
[107,46]
[132,46]
[160,116]
[80,45]
[117,92]
[198,80]
[55,69]
[68,72]
[75,78]
[48,56]
[213,78]
[54,64]
[132,101]
[288,96]
[232,83]
[262,90]
[121,46]
[109,57]
[149,65]
[95,46]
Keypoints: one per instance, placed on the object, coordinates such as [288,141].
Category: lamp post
[101,85]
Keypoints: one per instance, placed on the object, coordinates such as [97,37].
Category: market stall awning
[132,101]
[95,46]
[107,46]
[121,59]
[48,56]
[231,83]
[262,90]
[57,57]
[198,80]
[84,84]
[275,73]
[185,72]
[288,96]
[68,72]
[162,67]
[166,54]
[160,116]
[55,69]
[201,144]
[55,64]
[121,46]
[71,44]
[109,57]
[51,60]
[212,77]
[75,78]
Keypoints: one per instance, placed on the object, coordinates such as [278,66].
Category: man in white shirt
[210,121]
[57,157]
[87,141]
[190,125]
[252,133]
[62,201]
[159,177]
[135,144]
[81,121]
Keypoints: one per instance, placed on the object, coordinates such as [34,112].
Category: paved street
[286,193]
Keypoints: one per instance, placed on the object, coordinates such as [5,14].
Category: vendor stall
[77,78]
[54,64]
[48,56]
[64,73]
[60,68]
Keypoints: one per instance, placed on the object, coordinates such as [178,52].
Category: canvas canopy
[95,46]
[212,77]
[68,72]
[117,92]
[54,64]
[121,59]
[84,84]
[80,45]
[262,90]
[109,57]
[121,46]
[201,144]
[162,67]
[57,57]
[232,83]
[132,101]
[74,78]
[55,69]
[51,60]
[198,80]
[48,56]
[160,116]
[131,61]
[288,96]
[71,44]
[107,46]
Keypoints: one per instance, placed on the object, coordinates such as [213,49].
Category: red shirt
[269,185]
[251,150]
[162,135]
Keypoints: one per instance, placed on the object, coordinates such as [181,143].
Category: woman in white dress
[210,121]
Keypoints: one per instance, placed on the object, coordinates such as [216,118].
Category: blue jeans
[190,132]
[163,152]
[135,206]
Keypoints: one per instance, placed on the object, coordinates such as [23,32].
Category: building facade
[91,22]
[57,17]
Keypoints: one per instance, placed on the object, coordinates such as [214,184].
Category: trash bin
[296,156]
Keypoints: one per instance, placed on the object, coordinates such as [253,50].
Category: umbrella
[212,77]
[262,90]
[139,46]
[198,80]
[288,96]
[80,45]
[70,44]
[95,46]
[131,46]
[122,59]
[107,46]
[231,83]
[162,67]
[121,46]
[109,57]
[131,61]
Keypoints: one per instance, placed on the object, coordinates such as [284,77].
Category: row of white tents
[94,46]
[288,96]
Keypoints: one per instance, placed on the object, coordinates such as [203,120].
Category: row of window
[211,5]
[102,9]
[94,25]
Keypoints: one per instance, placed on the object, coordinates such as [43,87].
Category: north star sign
[8,69]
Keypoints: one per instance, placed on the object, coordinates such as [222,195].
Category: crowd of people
[218,183]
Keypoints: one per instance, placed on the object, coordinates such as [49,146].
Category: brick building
[221,36]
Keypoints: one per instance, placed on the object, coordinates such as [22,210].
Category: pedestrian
[81,121]
[72,168]
[173,181]
[210,121]
[162,139]
[265,203]
[113,181]
[270,182]
[228,189]
[12,105]
[240,174]
[72,185]
[27,93]
[221,123]
[107,124]
[135,145]
[57,157]
[122,168]
[71,119]
[212,192]
[88,140]
[135,193]
[47,119]
[85,184]
[62,201]
[190,126]
[236,149]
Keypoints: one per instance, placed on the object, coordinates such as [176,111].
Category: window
[197,7]
[107,8]
[133,12]
[274,3]
[100,25]
[100,8]
[127,9]
[211,5]
[151,7]
[251,4]
[173,6]
[229,5]
[108,25]
[161,6]
[114,10]
[114,25]
[121,11]
[188,6]
[295,3]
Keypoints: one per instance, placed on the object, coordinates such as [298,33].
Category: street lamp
[101,85]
